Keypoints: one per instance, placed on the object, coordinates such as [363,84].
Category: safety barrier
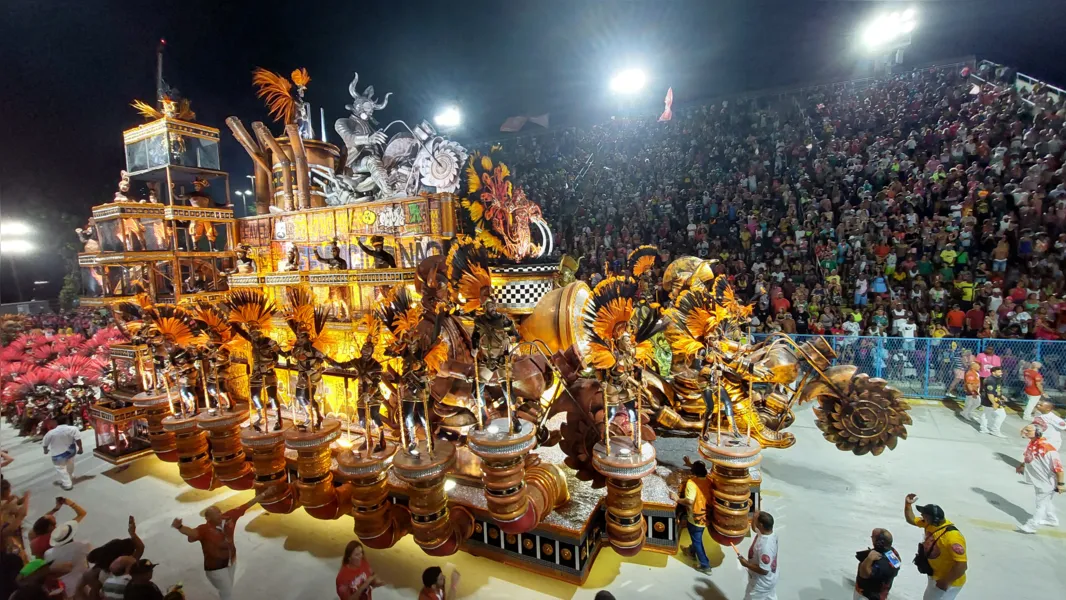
[923,367]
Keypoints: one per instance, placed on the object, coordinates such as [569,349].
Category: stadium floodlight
[888,29]
[449,118]
[629,81]
[14,228]
[15,246]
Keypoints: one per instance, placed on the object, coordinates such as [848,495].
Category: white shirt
[1041,464]
[763,552]
[75,553]
[1054,425]
[907,329]
[60,439]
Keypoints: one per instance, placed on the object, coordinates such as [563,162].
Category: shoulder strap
[945,530]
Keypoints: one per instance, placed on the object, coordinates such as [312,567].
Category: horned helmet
[363,105]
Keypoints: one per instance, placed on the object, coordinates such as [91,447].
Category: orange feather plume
[274,89]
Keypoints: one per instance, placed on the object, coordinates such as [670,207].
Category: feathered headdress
[726,299]
[469,274]
[303,315]
[213,320]
[276,91]
[250,308]
[695,315]
[399,313]
[175,325]
[609,312]
[642,259]
[183,110]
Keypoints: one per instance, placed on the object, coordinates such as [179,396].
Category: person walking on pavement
[216,541]
[942,554]
[62,442]
[761,562]
[992,412]
[1034,389]
[1050,424]
[971,384]
[697,497]
[1043,470]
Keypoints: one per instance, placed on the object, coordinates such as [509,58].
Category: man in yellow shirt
[945,548]
[697,500]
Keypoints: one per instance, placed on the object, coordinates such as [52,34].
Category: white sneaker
[1054,523]
[1027,529]
[984,431]
[997,434]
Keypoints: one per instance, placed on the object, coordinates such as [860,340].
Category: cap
[142,566]
[932,512]
[64,533]
[33,566]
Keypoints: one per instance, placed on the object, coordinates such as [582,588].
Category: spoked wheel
[869,417]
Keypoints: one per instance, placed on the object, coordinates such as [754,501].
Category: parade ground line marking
[1044,531]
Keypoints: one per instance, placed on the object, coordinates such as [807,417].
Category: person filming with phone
[878,566]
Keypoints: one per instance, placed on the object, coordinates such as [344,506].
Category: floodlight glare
[14,228]
[448,118]
[16,246]
[628,82]
[888,28]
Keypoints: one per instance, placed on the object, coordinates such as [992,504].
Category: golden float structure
[543,495]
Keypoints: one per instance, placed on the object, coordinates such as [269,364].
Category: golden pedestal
[379,523]
[227,454]
[438,529]
[731,456]
[517,498]
[624,467]
[314,468]
[267,451]
[194,458]
[156,408]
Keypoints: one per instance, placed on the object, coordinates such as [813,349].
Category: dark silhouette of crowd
[911,205]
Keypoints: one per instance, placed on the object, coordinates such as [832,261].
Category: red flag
[513,124]
[668,114]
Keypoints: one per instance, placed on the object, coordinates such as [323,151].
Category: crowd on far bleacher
[913,205]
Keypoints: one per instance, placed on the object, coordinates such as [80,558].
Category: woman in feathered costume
[180,335]
[220,338]
[249,314]
[494,333]
[307,322]
[416,341]
[368,372]
[620,346]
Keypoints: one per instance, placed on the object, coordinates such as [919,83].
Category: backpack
[921,558]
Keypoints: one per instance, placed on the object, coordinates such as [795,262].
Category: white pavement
[825,503]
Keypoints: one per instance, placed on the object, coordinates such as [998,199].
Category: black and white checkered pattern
[521,293]
[524,269]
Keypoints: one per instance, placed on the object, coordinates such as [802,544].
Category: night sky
[69,69]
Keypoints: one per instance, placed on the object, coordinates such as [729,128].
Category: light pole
[244,194]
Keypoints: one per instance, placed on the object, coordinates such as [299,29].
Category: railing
[923,367]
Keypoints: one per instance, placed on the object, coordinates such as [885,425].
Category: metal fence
[922,367]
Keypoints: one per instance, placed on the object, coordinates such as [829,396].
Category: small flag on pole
[669,101]
[541,120]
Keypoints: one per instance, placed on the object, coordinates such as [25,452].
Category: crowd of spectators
[913,205]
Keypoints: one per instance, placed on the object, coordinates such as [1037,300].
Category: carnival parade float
[392,338]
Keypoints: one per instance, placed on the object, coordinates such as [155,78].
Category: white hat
[64,534]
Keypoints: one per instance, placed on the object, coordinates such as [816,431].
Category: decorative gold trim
[165,124]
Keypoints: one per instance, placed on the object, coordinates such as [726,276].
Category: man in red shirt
[216,541]
[1034,389]
[434,584]
[955,320]
[975,319]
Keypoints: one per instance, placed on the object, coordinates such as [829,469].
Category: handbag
[921,558]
